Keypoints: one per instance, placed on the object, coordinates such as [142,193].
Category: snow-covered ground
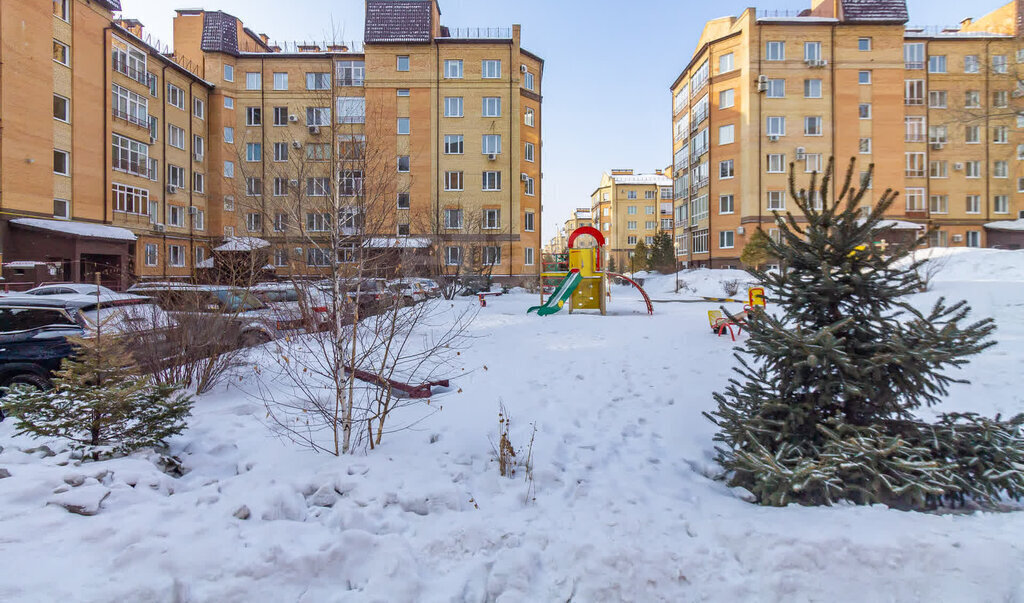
[621,507]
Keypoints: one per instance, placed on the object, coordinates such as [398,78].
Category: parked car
[429,286]
[371,295]
[245,319]
[34,330]
[295,301]
[70,289]
[410,292]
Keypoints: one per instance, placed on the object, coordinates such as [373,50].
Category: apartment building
[936,110]
[162,159]
[627,208]
[580,217]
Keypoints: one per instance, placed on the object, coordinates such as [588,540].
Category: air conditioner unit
[937,146]
[296,144]
[193,210]
[741,230]
[171,189]
[773,138]
[314,129]
[152,140]
[293,118]
[159,227]
[762,83]
[822,63]
[197,156]
[957,238]
[293,182]
[801,153]
[492,157]
[523,68]
[524,177]
[958,166]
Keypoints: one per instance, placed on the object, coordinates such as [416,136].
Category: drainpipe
[106,119]
[511,132]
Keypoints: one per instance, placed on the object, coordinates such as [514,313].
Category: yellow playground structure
[720,322]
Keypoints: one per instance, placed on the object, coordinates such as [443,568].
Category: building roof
[875,11]
[242,244]
[397,243]
[220,33]
[657,179]
[77,229]
[114,5]
[1006,225]
[397,21]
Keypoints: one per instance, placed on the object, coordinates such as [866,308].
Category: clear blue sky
[608,66]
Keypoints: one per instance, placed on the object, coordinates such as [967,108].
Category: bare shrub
[732,286]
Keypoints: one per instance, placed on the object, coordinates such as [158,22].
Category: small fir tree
[100,402]
[823,408]
[641,257]
[757,251]
[663,253]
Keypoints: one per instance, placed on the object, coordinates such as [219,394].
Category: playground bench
[483,298]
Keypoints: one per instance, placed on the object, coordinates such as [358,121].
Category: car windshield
[236,300]
[26,319]
[125,318]
[277,295]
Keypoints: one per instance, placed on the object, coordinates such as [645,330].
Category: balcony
[699,184]
[142,122]
[913,65]
[913,102]
[126,165]
[124,68]
[698,118]
[349,81]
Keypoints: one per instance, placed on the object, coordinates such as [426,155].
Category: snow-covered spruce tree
[100,402]
[823,409]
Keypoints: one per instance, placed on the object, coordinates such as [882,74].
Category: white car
[410,292]
[69,289]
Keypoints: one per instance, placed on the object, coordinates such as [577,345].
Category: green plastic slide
[561,295]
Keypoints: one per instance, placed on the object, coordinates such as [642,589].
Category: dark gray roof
[397,21]
[220,33]
[114,5]
[878,11]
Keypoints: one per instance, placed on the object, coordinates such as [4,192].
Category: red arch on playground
[582,230]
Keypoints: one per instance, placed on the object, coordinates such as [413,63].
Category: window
[490,69]
[1001,135]
[60,9]
[528,187]
[631,225]
[317,80]
[453,106]
[726,239]
[453,69]
[453,219]
[812,88]
[129,60]
[1001,204]
[776,163]
[775,51]
[649,210]
[176,215]
[198,182]
[175,96]
[130,155]
[254,187]
[864,146]
[972,64]
[725,169]
[972,99]
[351,109]
[528,152]
[812,51]
[973,238]
[492,255]
[129,106]
[999,169]
[812,126]
[403,125]
[937,63]
[913,93]
[229,203]
[229,103]
[972,134]
[726,204]
[973,203]
[253,151]
[318,222]
[253,116]
[528,256]
[61,162]
[938,135]
[175,136]
[402,63]
[999,63]
[61,108]
[280,151]
[1020,151]
[726,98]
[700,241]
[864,110]
[528,117]
[154,169]
[492,106]
[318,116]
[937,99]
[915,165]
[776,88]
[913,55]
[318,187]
[176,176]
[528,80]
[863,44]
[453,256]
[972,169]
[129,199]
[403,92]
[318,151]
[631,210]
[915,199]
[725,63]
[280,222]
[253,81]
[938,169]
[254,222]
[229,73]
[61,53]
[631,195]
[154,85]
[229,169]
[351,73]
[198,146]
[863,77]
[198,108]
[62,209]
[453,144]
[776,201]
[491,144]
[812,162]
[938,204]
[280,187]
[492,181]
[280,116]
[1000,99]
[453,181]
[491,219]
[776,126]
[726,134]
[631,240]
[152,254]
